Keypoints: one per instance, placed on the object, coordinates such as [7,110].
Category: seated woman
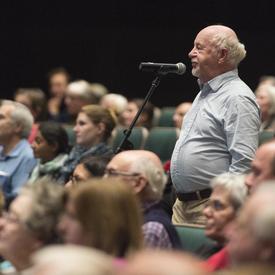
[93,128]
[30,224]
[103,214]
[88,167]
[50,146]
[229,193]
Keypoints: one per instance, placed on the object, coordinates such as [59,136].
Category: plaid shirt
[154,233]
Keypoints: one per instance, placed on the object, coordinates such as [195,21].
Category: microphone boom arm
[125,143]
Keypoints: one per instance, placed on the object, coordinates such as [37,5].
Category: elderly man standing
[220,132]
[16,155]
[143,171]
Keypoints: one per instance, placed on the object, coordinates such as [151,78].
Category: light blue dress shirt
[219,134]
[15,168]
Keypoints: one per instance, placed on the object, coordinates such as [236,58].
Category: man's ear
[223,53]
[18,128]
[140,184]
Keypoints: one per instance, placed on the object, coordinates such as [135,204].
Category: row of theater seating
[160,140]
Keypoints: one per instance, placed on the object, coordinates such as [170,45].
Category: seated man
[144,172]
[16,156]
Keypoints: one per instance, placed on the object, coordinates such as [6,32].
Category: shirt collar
[16,150]
[215,83]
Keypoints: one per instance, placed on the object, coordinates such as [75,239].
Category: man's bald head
[142,162]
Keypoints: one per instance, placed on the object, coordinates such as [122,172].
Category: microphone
[162,68]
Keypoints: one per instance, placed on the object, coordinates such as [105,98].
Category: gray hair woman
[265,95]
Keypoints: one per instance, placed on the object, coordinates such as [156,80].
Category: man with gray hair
[144,172]
[16,156]
[220,131]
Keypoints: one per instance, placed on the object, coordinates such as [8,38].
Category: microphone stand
[125,143]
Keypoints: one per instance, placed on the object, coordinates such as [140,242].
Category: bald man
[220,131]
[143,171]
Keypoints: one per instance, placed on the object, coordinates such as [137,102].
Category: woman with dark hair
[50,147]
[88,167]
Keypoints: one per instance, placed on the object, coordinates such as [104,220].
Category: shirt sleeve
[242,123]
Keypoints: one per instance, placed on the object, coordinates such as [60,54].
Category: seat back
[161,141]
[166,117]
[265,136]
[192,238]
[137,137]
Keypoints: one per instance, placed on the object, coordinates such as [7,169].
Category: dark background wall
[104,41]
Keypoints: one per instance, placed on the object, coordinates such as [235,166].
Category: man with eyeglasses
[144,172]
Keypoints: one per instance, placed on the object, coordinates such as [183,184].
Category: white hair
[236,50]
[117,102]
[270,90]
[20,115]
[234,185]
[82,89]
[154,174]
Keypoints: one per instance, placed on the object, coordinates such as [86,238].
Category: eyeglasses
[75,179]
[215,205]
[115,173]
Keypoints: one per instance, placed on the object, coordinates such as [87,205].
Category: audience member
[50,147]
[71,260]
[267,79]
[228,195]
[220,132]
[115,102]
[35,100]
[103,214]
[93,128]
[16,156]
[143,171]
[252,239]
[99,90]
[78,94]
[88,167]
[265,95]
[146,117]
[30,222]
[58,79]
[262,166]
[180,112]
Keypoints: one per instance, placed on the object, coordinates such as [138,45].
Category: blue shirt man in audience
[16,155]
[220,132]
